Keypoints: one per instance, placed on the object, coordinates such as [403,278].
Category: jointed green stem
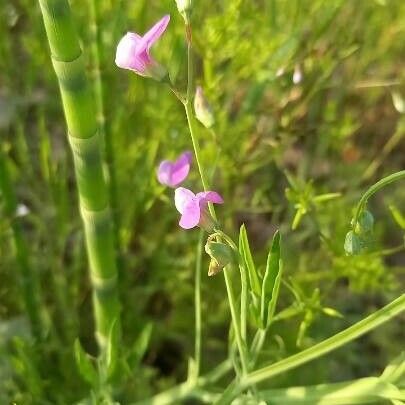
[86,142]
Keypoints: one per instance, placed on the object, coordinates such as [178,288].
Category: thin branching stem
[367,324]
[197,151]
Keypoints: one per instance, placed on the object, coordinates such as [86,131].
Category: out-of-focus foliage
[308,97]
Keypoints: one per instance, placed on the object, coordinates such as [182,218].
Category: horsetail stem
[85,142]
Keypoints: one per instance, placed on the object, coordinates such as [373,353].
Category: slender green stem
[188,389]
[236,326]
[370,390]
[257,345]
[231,295]
[86,143]
[373,189]
[244,284]
[197,152]
[243,301]
[196,146]
[367,324]
[197,305]
[30,284]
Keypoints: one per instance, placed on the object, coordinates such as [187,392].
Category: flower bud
[353,244]
[203,110]
[184,7]
[365,223]
[221,255]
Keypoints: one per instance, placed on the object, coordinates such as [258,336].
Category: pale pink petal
[187,156]
[164,172]
[154,34]
[191,215]
[127,53]
[182,198]
[180,169]
[210,196]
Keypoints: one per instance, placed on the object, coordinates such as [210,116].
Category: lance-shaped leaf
[112,348]
[395,371]
[244,250]
[271,281]
[140,346]
[84,364]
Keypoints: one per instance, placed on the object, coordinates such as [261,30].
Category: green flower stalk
[85,141]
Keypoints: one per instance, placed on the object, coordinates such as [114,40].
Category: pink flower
[192,207]
[133,51]
[173,173]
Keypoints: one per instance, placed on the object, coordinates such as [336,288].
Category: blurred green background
[309,99]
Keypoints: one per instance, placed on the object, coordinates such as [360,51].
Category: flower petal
[180,169]
[164,172]
[182,198]
[127,53]
[210,196]
[154,33]
[191,215]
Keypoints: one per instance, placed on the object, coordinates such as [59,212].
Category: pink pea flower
[133,51]
[173,173]
[193,207]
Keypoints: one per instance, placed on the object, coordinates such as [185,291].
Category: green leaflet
[139,348]
[84,364]
[276,291]
[244,250]
[398,217]
[112,348]
[395,371]
[271,281]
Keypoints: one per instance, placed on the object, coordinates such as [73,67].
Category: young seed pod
[221,255]
[203,110]
[353,244]
[365,223]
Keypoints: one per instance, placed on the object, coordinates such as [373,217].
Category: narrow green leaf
[244,250]
[112,348]
[139,348]
[398,217]
[395,370]
[275,294]
[304,325]
[332,312]
[301,211]
[254,310]
[270,275]
[325,197]
[84,364]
